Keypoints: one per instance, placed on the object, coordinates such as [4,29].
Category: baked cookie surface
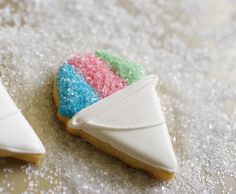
[111,103]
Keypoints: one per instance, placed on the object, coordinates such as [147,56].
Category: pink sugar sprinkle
[98,74]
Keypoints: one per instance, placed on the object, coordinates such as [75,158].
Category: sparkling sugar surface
[128,70]
[74,92]
[191,45]
[98,74]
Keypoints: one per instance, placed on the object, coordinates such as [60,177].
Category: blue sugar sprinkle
[73,91]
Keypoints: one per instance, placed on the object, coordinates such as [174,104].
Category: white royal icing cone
[131,121]
[16,134]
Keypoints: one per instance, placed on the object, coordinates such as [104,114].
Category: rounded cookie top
[87,78]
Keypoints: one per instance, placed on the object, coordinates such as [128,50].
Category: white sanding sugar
[191,45]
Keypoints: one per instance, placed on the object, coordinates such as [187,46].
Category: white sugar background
[191,45]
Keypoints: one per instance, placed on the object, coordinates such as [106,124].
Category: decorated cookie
[111,103]
[17,139]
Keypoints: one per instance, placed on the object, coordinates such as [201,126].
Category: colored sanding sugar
[98,74]
[128,70]
[73,91]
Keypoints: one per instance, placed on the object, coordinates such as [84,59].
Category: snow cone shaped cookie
[111,103]
[17,139]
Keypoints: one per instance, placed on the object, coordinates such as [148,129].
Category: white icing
[131,121]
[16,134]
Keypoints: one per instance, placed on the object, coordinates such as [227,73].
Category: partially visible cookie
[111,103]
[17,139]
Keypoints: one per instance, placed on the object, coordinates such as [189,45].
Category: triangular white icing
[132,121]
[16,134]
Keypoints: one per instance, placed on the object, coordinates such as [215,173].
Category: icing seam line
[9,115]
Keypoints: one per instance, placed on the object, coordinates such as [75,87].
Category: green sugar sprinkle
[128,70]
